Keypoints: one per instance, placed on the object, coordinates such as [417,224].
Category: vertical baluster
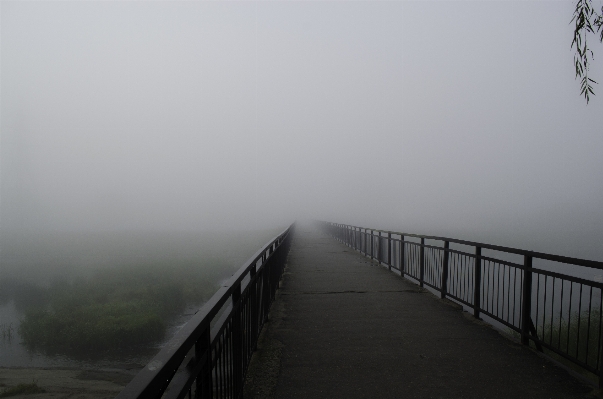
[237,350]
[402,256]
[380,249]
[445,270]
[590,302]
[222,381]
[515,296]
[265,288]
[499,285]
[254,306]
[579,321]
[477,275]
[422,262]
[389,250]
[363,247]
[599,353]
[203,347]
[372,244]
[508,292]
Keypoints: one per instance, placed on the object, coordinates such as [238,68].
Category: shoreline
[68,382]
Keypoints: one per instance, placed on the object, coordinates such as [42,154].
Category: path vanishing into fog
[344,327]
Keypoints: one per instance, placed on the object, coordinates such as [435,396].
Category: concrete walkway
[344,327]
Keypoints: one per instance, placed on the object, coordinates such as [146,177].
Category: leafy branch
[587,21]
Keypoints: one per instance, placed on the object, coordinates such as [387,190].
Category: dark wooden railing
[548,300]
[208,357]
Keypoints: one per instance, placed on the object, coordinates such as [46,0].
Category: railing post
[253,297]
[372,244]
[422,262]
[402,257]
[389,250]
[445,270]
[265,287]
[363,241]
[237,350]
[526,308]
[477,281]
[203,347]
[378,249]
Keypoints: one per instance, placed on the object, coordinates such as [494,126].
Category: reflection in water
[13,353]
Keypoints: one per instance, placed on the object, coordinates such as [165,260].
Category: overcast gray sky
[422,116]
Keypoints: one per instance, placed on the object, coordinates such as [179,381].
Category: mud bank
[68,383]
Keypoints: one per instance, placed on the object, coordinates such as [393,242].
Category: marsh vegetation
[117,307]
[7,331]
[579,337]
[102,296]
[22,389]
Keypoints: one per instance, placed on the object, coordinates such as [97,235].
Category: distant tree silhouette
[587,21]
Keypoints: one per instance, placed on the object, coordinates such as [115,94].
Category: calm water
[13,352]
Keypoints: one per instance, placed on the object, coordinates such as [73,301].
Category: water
[41,260]
[14,353]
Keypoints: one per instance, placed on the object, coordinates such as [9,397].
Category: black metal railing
[209,356]
[553,301]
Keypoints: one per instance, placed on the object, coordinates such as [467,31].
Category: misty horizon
[446,118]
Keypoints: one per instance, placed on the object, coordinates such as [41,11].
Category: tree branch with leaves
[587,21]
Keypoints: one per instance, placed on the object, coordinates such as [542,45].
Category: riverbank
[68,383]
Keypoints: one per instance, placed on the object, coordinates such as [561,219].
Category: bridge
[330,310]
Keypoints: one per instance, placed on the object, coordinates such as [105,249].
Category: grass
[579,337]
[22,389]
[118,308]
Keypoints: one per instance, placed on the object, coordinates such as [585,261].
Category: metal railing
[528,292]
[209,356]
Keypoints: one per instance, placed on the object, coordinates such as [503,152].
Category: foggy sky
[442,117]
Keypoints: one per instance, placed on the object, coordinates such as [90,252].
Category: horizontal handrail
[239,326]
[540,255]
[557,311]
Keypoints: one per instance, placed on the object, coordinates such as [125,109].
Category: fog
[456,118]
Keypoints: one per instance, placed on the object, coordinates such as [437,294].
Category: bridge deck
[344,327]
